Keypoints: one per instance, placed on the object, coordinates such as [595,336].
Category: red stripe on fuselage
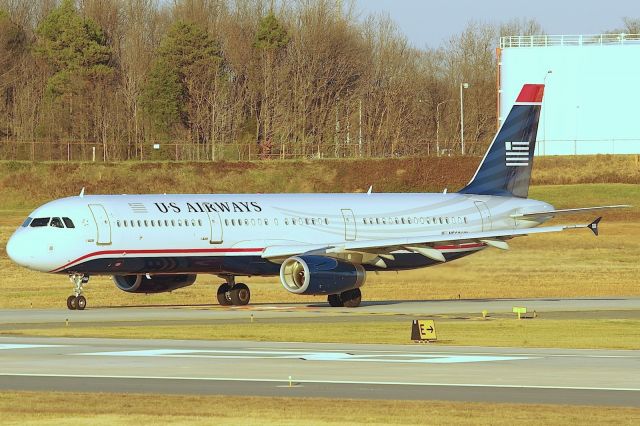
[159,251]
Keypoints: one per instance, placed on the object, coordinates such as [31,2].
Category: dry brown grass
[57,408]
[569,333]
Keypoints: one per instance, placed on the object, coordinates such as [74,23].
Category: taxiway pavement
[202,313]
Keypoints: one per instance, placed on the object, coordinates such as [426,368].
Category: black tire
[222,295]
[335,301]
[81,303]
[71,303]
[240,294]
[351,298]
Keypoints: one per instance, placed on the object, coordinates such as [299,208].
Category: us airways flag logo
[517,154]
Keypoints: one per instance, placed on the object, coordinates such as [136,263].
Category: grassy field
[568,264]
[569,333]
[57,408]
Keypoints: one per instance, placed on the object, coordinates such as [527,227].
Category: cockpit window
[56,222]
[26,222]
[40,221]
[68,222]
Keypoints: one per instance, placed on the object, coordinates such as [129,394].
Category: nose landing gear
[77,301]
[232,293]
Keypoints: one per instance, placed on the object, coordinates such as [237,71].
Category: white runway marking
[24,346]
[311,356]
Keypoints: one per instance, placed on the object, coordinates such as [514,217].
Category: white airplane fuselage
[226,234]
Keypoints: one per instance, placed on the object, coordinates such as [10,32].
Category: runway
[418,372]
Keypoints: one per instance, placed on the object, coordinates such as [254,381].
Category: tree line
[212,79]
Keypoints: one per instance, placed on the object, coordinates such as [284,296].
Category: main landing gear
[77,300]
[232,293]
[348,299]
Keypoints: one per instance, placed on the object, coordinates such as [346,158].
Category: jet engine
[154,284]
[320,275]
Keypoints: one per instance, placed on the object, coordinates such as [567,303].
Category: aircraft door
[485,214]
[215,226]
[349,224]
[103,227]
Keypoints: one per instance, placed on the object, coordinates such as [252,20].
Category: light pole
[544,117]
[462,86]
[438,124]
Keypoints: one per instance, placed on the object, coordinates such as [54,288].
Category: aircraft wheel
[351,298]
[81,303]
[71,303]
[223,290]
[335,300]
[240,294]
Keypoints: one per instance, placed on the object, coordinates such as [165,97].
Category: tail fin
[506,167]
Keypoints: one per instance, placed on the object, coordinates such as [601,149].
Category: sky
[428,23]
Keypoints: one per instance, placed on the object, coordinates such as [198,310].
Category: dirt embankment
[25,184]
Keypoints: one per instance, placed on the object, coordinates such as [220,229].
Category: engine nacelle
[155,284]
[320,275]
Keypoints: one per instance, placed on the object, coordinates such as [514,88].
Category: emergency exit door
[349,224]
[215,224]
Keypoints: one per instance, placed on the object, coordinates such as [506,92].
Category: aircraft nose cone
[16,250]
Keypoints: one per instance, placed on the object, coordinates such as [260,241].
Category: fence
[569,40]
[86,151]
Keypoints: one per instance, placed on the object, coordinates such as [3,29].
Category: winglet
[594,226]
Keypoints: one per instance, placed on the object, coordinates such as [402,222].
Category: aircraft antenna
[82,192]
[370,189]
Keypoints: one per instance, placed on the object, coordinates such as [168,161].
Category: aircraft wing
[426,245]
[565,211]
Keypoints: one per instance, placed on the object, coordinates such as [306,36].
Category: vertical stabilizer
[506,167]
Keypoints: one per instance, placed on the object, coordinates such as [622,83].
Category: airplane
[318,244]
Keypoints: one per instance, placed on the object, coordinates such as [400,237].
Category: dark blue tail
[506,167]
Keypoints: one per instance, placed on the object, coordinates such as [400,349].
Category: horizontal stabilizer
[566,211]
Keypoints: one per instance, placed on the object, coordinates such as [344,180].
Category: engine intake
[155,284]
[320,275]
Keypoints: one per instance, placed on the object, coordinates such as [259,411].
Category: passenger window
[286,221]
[139,223]
[173,222]
[422,221]
[293,220]
[56,222]
[118,223]
[253,222]
[266,222]
[186,222]
[326,221]
[26,222]
[179,222]
[200,222]
[40,221]
[275,222]
[246,222]
[226,222]
[124,222]
[146,224]
[193,222]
